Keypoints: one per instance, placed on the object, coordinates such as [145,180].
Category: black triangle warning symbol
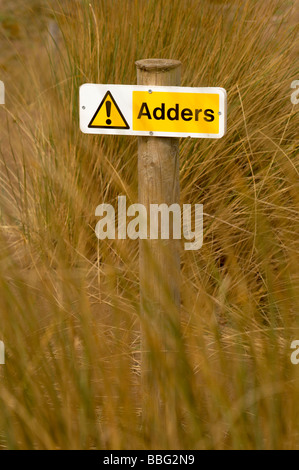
[108,115]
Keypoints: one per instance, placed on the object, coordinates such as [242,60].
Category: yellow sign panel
[108,115]
[194,113]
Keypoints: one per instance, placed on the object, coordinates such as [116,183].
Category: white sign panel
[153,111]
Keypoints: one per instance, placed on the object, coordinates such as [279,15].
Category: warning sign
[176,112]
[108,115]
[153,111]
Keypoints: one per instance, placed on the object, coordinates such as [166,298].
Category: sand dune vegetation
[69,303]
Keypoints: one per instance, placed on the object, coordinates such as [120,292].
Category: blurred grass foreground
[69,303]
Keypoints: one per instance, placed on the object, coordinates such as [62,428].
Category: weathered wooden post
[158,183]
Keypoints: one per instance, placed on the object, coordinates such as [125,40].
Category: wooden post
[158,182]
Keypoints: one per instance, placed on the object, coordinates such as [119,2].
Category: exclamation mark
[108,111]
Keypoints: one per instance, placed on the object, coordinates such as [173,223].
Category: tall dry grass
[69,305]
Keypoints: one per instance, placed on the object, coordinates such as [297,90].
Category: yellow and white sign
[153,111]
